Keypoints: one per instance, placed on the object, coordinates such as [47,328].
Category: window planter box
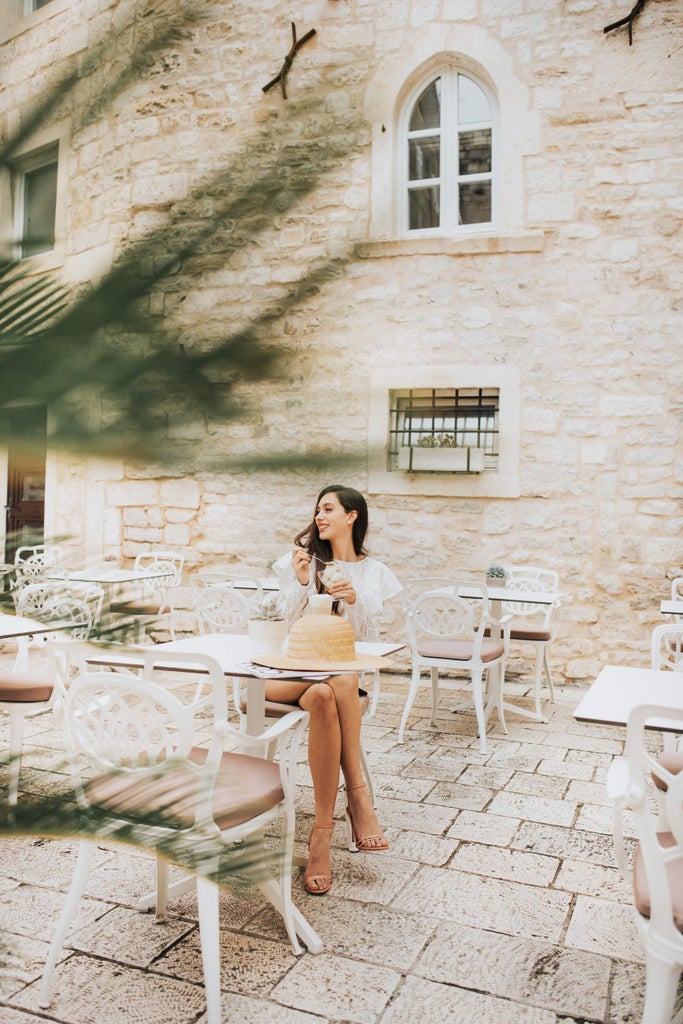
[440,460]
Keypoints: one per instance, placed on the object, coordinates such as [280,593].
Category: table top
[12,626]
[671,607]
[618,689]
[103,574]
[232,651]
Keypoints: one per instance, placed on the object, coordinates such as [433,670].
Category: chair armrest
[269,735]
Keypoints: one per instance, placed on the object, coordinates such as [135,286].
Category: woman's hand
[343,590]
[300,564]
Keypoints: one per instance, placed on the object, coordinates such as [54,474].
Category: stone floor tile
[483,775]
[452,794]
[518,761]
[565,769]
[129,937]
[628,993]
[592,818]
[386,937]
[249,964]
[588,793]
[239,1009]
[521,970]
[493,829]
[574,843]
[602,926]
[579,741]
[431,1003]
[33,911]
[21,961]
[86,991]
[590,757]
[480,902]
[10,1016]
[43,861]
[437,768]
[418,817]
[514,865]
[593,880]
[337,988]
[533,784]
[420,846]
[401,788]
[533,808]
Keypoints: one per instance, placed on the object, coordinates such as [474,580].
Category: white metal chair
[31,563]
[657,870]
[156,595]
[446,631]
[153,784]
[666,653]
[677,594]
[77,606]
[24,691]
[221,608]
[531,623]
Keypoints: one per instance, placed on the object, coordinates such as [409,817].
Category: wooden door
[25,501]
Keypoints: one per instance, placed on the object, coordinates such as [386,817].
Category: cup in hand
[320,604]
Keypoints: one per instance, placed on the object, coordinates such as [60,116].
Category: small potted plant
[267,625]
[496,574]
[440,453]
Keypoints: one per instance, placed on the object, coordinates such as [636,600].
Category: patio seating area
[499,901]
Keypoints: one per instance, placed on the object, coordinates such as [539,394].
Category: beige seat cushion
[674,870]
[459,650]
[246,786]
[526,634]
[672,762]
[25,687]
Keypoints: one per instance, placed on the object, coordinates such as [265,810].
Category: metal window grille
[464,418]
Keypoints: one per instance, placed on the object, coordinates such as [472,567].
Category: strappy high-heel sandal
[364,844]
[318,885]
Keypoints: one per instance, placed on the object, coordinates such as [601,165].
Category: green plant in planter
[438,441]
[496,572]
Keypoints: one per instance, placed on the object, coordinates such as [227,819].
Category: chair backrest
[222,609]
[658,894]
[531,579]
[135,723]
[666,651]
[77,605]
[39,555]
[169,565]
[433,608]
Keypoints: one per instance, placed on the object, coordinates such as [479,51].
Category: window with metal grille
[449,430]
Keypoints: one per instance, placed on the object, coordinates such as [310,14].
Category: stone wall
[582,295]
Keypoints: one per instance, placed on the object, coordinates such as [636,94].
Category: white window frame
[35,152]
[503,482]
[19,16]
[450,179]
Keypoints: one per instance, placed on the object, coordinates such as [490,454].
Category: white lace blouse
[373,582]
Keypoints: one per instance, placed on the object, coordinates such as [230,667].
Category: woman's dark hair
[351,501]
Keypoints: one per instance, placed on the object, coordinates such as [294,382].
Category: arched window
[447,155]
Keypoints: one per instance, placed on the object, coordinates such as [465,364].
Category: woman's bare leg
[345,690]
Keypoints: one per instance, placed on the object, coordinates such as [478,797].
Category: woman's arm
[290,572]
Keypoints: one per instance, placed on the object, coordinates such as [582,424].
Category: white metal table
[618,689]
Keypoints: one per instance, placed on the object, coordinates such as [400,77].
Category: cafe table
[618,689]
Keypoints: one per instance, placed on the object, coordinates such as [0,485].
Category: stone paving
[499,902]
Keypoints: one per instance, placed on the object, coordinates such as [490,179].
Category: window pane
[472,102]
[475,152]
[475,203]
[37,4]
[40,201]
[423,208]
[427,111]
[424,158]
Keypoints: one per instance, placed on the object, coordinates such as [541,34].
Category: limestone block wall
[578,291]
